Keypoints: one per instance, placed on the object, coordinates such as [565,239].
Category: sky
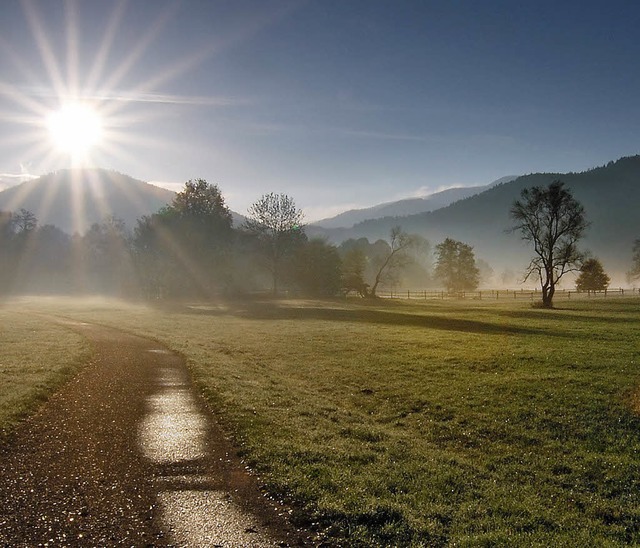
[338,103]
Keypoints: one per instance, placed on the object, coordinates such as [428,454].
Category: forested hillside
[608,194]
[408,206]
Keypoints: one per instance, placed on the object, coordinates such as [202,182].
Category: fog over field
[98,231]
[308,273]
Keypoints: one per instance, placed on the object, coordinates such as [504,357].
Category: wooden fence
[504,294]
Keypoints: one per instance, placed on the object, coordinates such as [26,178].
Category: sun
[75,128]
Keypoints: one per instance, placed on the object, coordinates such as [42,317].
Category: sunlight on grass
[422,424]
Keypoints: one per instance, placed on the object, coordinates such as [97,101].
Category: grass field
[36,357]
[440,423]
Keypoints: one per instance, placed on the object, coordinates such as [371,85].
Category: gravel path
[126,455]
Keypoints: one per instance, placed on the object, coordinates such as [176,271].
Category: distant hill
[74,199]
[608,193]
[409,206]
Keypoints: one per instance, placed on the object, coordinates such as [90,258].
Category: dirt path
[126,454]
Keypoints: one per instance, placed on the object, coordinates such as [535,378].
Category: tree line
[190,249]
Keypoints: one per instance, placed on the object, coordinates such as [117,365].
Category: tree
[157,257]
[184,248]
[395,259]
[485,271]
[418,271]
[354,262]
[276,223]
[203,205]
[24,222]
[7,259]
[456,266]
[318,268]
[105,257]
[634,273]
[46,267]
[592,276]
[17,232]
[553,221]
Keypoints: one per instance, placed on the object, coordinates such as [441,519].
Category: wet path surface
[126,454]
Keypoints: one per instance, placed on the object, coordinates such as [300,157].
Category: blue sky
[337,103]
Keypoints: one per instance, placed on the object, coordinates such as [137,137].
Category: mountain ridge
[74,199]
[607,192]
[406,206]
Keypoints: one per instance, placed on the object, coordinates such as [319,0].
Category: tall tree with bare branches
[553,221]
[277,223]
[396,258]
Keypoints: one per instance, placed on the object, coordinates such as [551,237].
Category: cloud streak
[388,136]
[8,180]
[216,101]
[142,97]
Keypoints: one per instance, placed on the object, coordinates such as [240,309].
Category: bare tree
[553,221]
[277,223]
[395,259]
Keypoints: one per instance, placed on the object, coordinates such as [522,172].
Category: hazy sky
[337,103]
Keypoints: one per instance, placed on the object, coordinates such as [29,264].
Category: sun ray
[128,192]
[95,187]
[105,46]
[18,62]
[73,49]
[199,276]
[77,205]
[46,51]
[113,94]
[23,99]
[66,89]
[139,49]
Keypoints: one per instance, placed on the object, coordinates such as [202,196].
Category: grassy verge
[471,424]
[36,357]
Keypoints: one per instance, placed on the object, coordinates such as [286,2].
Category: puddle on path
[209,518]
[174,432]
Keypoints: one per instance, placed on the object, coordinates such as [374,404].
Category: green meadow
[36,357]
[398,423]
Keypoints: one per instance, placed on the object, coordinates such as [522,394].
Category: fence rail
[503,294]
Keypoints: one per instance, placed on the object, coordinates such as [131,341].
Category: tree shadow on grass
[562,315]
[261,310]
